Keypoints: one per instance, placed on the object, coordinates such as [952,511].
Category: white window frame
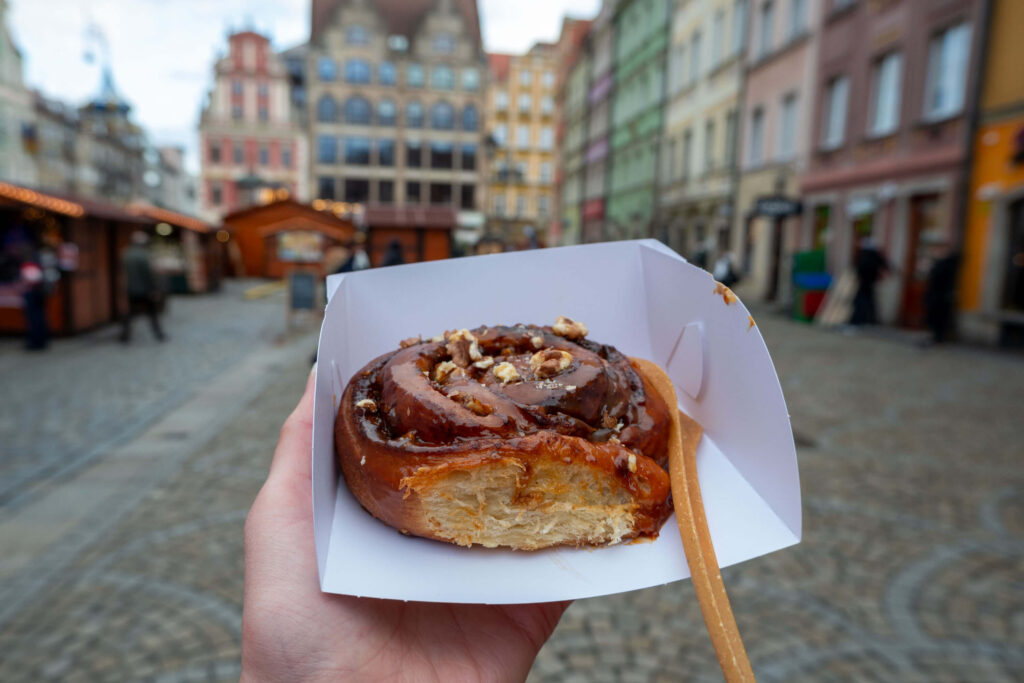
[886,90]
[837,98]
[947,69]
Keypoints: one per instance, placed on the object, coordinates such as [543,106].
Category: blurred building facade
[637,117]
[600,88]
[18,134]
[572,75]
[889,134]
[396,100]
[778,103]
[991,294]
[250,133]
[698,167]
[521,115]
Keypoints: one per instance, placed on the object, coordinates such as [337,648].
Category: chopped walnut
[506,372]
[472,402]
[569,328]
[437,338]
[366,404]
[537,341]
[608,421]
[484,363]
[411,341]
[463,347]
[444,369]
[550,362]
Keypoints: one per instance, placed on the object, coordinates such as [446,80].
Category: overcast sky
[162,51]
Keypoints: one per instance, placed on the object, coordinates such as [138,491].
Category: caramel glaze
[599,410]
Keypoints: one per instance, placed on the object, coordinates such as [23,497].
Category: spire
[108,97]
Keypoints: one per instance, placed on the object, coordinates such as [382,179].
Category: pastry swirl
[518,436]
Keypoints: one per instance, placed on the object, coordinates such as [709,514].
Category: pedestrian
[34,290]
[393,256]
[357,259]
[939,293]
[142,286]
[870,266]
[724,271]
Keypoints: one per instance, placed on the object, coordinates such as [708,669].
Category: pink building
[250,134]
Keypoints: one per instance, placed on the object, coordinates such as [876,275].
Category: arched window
[326,69]
[386,73]
[326,109]
[357,71]
[442,116]
[414,115]
[386,113]
[470,118]
[357,110]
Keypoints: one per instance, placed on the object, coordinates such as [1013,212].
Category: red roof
[499,65]
[402,17]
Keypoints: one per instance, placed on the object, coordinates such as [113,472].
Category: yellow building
[520,116]
[991,295]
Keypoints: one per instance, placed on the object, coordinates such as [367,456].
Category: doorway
[1012,333]
[924,216]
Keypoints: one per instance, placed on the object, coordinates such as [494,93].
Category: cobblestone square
[910,569]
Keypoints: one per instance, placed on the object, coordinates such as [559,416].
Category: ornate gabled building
[395,91]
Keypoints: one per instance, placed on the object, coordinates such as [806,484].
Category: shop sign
[777,207]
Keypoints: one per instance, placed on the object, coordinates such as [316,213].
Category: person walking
[940,291]
[870,266]
[393,255]
[33,283]
[142,287]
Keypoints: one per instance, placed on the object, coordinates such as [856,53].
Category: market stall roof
[167,216]
[426,217]
[68,205]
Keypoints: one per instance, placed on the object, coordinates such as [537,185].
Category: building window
[500,135]
[414,76]
[236,112]
[216,194]
[385,152]
[357,190]
[386,74]
[357,151]
[264,114]
[263,89]
[764,29]
[442,78]
[521,205]
[443,43]
[542,205]
[521,175]
[468,157]
[286,155]
[326,69]
[739,25]
[731,129]
[440,193]
[467,197]
[325,188]
[501,100]
[326,149]
[470,80]
[239,153]
[386,113]
[695,57]
[797,17]
[414,115]
[386,192]
[834,124]
[357,35]
[547,137]
[547,104]
[499,204]
[412,192]
[687,153]
[756,154]
[413,154]
[717,37]
[709,146]
[545,172]
[236,87]
[470,118]
[264,155]
[787,128]
[523,137]
[525,104]
[442,116]
[548,79]
[948,54]
[326,109]
[357,71]
[525,77]
[357,110]
[884,112]
[441,155]
[214,152]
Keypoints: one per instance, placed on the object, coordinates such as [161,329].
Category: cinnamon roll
[518,436]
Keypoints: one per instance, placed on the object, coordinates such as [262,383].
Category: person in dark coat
[142,285]
[37,329]
[940,293]
[871,267]
[393,256]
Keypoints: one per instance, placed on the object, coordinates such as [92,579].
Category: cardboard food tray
[638,296]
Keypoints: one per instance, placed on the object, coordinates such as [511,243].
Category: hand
[292,631]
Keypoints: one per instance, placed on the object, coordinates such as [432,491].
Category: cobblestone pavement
[911,567]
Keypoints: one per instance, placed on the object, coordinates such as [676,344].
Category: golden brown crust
[472,462]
